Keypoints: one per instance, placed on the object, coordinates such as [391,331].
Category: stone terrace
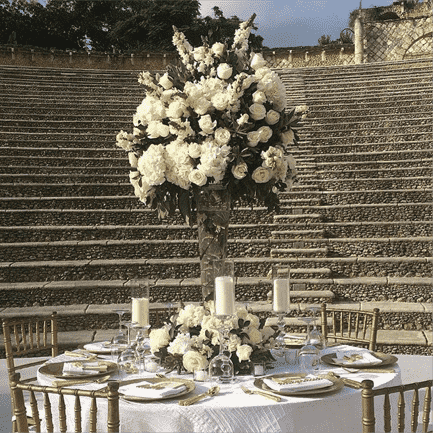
[355,231]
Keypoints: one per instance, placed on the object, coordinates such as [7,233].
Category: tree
[324,40]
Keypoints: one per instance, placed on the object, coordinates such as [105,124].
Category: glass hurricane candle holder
[280,304]
[224,300]
[140,303]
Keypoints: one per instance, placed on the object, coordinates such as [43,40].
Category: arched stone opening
[421,47]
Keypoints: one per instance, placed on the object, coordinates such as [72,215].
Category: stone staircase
[366,232]
[355,230]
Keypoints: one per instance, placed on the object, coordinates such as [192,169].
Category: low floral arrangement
[218,118]
[192,339]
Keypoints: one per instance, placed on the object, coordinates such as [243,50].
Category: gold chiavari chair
[24,337]
[396,425]
[351,326]
[69,401]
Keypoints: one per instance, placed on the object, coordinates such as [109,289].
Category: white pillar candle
[281,295]
[140,311]
[224,296]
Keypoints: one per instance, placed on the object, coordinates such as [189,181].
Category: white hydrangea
[180,345]
[151,165]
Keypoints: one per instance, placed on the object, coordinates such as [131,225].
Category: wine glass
[142,346]
[127,358]
[120,338]
[309,354]
[316,337]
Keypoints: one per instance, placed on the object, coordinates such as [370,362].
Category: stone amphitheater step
[361,229]
[349,247]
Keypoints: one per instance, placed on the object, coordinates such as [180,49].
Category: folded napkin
[134,390]
[310,382]
[356,356]
[101,346]
[77,368]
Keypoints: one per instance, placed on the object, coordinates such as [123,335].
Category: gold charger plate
[337,384]
[385,359]
[55,369]
[190,386]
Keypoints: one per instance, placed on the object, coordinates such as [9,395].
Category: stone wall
[398,39]
[400,31]
[25,56]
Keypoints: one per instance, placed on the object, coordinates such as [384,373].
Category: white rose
[194,150]
[193,360]
[265,133]
[180,345]
[255,321]
[202,106]
[165,82]
[176,109]
[220,101]
[158,338]
[267,332]
[234,342]
[206,124]
[258,111]
[287,137]
[222,136]
[261,175]
[199,54]
[255,336]
[240,171]
[258,61]
[218,48]
[259,97]
[133,160]
[197,177]
[243,352]
[253,138]
[224,71]
[241,312]
[272,117]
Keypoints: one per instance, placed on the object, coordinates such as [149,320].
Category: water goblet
[309,359]
[127,358]
[316,337]
[120,338]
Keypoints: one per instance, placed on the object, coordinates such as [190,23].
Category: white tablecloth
[233,411]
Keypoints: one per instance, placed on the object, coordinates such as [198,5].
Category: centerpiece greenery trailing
[218,118]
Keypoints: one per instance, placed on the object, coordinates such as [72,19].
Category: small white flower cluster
[186,131]
[196,350]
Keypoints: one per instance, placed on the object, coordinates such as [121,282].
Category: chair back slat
[37,335]
[93,412]
[35,412]
[386,414]
[400,412]
[17,339]
[77,411]
[62,414]
[48,413]
[349,327]
[415,410]
[426,410]
[45,333]
[24,336]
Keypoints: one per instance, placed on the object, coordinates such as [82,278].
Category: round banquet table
[234,411]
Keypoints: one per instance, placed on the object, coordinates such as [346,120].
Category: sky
[292,23]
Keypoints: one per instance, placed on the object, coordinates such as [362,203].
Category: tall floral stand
[213,215]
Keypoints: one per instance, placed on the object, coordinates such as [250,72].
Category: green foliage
[122,25]
[324,40]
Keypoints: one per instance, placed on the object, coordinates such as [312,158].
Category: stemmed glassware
[126,359]
[224,296]
[120,338]
[316,337]
[308,354]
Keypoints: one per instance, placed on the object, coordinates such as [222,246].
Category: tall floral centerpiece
[211,132]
